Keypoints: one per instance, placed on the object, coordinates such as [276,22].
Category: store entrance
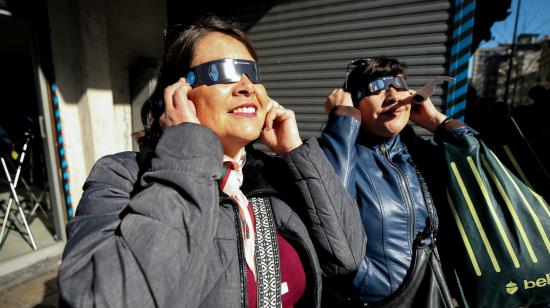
[26,210]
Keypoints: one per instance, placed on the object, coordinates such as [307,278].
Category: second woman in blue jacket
[364,141]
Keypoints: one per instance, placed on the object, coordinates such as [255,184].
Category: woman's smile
[245,110]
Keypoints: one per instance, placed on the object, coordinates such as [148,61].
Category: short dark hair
[181,45]
[368,70]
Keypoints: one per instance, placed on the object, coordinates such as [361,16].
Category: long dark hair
[181,43]
[365,71]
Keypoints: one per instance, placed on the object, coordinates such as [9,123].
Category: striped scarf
[230,183]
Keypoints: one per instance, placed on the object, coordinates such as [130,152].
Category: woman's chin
[249,134]
[396,126]
[242,139]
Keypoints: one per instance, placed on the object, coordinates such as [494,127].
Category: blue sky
[534,18]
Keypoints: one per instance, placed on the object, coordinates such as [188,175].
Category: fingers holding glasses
[338,97]
[281,130]
[178,107]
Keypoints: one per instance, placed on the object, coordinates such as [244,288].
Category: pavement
[34,286]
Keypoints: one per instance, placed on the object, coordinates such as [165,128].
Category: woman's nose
[391,94]
[244,86]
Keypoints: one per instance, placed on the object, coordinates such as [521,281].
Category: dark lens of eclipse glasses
[223,71]
[383,83]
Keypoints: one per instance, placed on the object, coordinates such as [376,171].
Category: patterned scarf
[230,183]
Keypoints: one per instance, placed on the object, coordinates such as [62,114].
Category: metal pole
[513,47]
[15,182]
[16,198]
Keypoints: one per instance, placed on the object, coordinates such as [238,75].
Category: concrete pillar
[97,117]
[138,27]
[94,44]
[81,64]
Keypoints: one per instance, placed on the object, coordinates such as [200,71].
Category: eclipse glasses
[383,83]
[223,71]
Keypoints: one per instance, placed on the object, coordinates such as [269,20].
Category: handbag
[424,285]
[499,229]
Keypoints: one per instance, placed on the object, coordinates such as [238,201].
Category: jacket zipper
[240,248]
[408,198]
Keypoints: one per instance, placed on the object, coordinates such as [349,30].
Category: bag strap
[268,270]
[432,226]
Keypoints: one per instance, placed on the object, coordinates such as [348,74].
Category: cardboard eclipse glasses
[223,71]
[383,83]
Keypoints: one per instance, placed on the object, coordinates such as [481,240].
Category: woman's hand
[280,133]
[425,114]
[178,108]
[338,97]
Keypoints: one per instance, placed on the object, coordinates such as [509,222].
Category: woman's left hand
[425,114]
[280,133]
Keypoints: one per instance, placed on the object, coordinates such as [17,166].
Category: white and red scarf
[231,181]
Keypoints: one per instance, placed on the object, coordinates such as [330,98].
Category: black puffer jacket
[171,240]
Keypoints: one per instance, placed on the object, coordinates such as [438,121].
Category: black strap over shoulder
[432,225]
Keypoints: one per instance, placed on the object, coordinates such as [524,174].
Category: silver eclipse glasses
[383,83]
[223,71]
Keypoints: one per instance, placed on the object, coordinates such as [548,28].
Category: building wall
[94,44]
[524,75]
[486,71]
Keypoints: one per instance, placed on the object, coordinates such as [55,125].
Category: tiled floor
[35,286]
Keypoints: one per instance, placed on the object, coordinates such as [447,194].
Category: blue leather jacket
[382,177]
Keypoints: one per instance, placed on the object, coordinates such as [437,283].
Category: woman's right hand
[425,114]
[338,97]
[178,108]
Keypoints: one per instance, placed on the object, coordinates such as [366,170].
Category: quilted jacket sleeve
[332,216]
[147,249]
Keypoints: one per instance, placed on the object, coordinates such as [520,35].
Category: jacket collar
[393,145]
[260,167]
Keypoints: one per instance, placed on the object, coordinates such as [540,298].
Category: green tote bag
[500,227]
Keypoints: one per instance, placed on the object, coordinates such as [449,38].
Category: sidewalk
[35,286]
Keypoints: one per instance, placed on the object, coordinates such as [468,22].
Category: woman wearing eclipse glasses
[378,159]
[199,218]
